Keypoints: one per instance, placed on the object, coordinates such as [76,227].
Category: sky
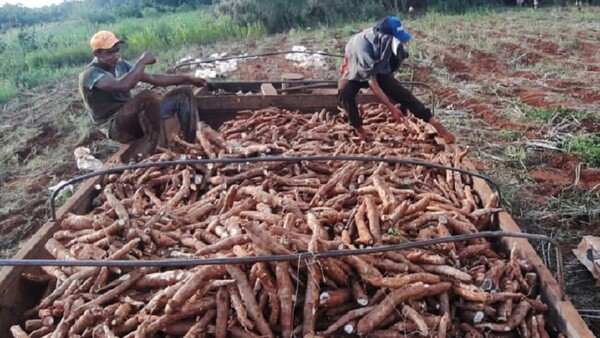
[31,3]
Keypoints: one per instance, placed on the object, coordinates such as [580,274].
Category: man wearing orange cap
[105,86]
[371,58]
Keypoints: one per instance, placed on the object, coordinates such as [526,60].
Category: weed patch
[511,135]
[540,114]
[585,116]
[513,200]
[573,199]
[585,146]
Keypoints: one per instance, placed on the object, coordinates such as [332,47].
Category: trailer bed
[16,296]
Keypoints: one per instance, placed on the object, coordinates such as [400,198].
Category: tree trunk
[404,4]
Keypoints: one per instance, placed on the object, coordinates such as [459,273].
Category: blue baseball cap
[393,26]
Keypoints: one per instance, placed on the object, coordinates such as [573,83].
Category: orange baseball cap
[104,40]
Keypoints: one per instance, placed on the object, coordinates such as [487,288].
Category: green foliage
[515,156]
[63,197]
[92,11]
[585,146]
[8,89]
[57,58]
[181,29]
[95,17]
[36,55]
[282,15]
[276,12]
[546,114]
[541,114]
[511,135]
[574,199]
[513,199]
[19,16]
[150,12]
[462,6]
[26,39]
[586,116]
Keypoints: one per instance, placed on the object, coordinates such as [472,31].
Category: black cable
[134,166]
[291,257]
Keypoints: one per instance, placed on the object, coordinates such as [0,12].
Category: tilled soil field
[494,76]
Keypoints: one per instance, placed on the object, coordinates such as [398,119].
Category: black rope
[135,166]
[179,262]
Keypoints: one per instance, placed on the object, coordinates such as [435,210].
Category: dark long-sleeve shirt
[368,54]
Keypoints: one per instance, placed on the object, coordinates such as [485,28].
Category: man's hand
[362,133]
[197,81]
[397,114]
[449,138]
[147,58]
[442,131]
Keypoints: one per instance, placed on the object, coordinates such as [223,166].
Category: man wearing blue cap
[371,58]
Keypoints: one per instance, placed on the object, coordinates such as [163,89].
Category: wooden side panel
[15,296]
[215,110]
[254,86]
[562,312]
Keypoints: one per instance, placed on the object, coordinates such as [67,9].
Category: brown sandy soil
[496,78]
[484,74]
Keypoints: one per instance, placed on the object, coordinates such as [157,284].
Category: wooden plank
[562,312]
[324,91]
[254,86]
[208,105]
[215,110]
[15,296]
[268,89]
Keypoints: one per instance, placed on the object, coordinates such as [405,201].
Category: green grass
[549,69]
[574,199]
[511,135]
[9,165]
[568,45]
[8,89]
[41,54]
[585,116]
[545,114]
[540,114]
[586,146]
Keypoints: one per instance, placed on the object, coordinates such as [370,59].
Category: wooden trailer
[17,296]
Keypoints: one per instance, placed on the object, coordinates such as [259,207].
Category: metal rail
[236,57]
[291,257]
[309,86]
[412,84]
[134,166]
[333,83]
[249,56]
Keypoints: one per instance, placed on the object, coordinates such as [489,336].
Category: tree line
[275,15]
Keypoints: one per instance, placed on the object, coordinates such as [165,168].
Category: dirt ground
[488,74]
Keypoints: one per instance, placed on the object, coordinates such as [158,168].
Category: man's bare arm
[128,81]
[396,113]
[172,79]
